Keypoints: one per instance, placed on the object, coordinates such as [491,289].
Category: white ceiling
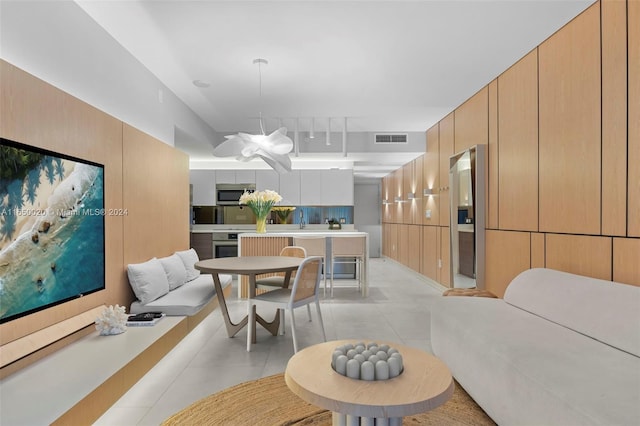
[389,66]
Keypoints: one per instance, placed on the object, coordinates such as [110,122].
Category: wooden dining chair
[315,246]
[277,281]
[303,292]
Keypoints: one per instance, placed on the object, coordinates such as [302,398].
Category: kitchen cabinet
[235,176]
[311,187]
[245,176]
[204,187]
[337,187]
[225,176]
[267,179]
[202,243]
[290,188]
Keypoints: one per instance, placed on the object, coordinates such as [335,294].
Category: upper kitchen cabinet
[204,187]
[236,176]
[337,187]
[326,187]
[290,188]
[310,187]
[570,127]
[267,179]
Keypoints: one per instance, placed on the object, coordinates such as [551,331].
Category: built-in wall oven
[225,244]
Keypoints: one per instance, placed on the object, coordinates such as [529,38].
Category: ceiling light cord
[260,61]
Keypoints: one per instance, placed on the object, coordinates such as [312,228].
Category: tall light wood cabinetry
[633,64]
[563,140]
[431,178]
[570,126]
[614,116]
[471,122]
[518,149]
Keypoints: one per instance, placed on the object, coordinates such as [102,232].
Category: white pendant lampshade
[274,148]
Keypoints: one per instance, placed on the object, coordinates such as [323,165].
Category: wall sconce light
[397,199]
[385,202]
[429,191]
[411,196]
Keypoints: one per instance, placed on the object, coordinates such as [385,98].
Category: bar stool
[344,248]
[315,246]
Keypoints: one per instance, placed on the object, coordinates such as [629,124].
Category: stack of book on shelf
[146,319]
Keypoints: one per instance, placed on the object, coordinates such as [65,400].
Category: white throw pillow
[175,270]
[189,258]
[148,280]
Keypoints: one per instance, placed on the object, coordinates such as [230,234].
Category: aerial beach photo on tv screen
[51,229]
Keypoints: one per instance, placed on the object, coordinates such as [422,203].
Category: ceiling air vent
[390,138]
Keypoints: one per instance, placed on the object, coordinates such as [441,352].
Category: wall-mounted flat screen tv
[51,229]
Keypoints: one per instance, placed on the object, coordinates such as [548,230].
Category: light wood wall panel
[537,250]
[503,245]
[518,148]
[579,254]
[493,161]
[431,177]
[38,114]
[403,244]
[417,204]
[156,193]
[446,151]
[633,208]
[387,194]
[626,253]
[472,122]
[398,184]
[414,247]
[393,241]
[444,267]
[429,265]
[407,183]
[570,126]
[614,117]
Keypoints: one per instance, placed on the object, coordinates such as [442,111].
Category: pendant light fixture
[273,148]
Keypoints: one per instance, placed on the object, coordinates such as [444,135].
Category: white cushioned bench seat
[172,285]
[185,300]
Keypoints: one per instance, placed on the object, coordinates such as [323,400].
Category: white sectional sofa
[172,285]
[559,349]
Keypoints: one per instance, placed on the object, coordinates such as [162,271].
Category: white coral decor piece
[113,320]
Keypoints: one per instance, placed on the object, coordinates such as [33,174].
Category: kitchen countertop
[294,233]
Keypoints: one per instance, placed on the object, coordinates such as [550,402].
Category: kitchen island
[272,242]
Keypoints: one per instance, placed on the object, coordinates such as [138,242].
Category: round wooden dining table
[250,266]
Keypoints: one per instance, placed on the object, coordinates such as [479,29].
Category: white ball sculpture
[367,361]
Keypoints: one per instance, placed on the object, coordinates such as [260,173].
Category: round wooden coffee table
[425,384]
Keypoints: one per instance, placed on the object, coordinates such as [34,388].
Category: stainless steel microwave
[228,194]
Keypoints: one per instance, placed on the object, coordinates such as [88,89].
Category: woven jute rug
[268,402]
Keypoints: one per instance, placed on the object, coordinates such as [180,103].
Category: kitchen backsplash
[310,215]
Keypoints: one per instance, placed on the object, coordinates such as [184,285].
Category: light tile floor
[207,361]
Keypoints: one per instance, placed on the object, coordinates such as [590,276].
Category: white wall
[59,43]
